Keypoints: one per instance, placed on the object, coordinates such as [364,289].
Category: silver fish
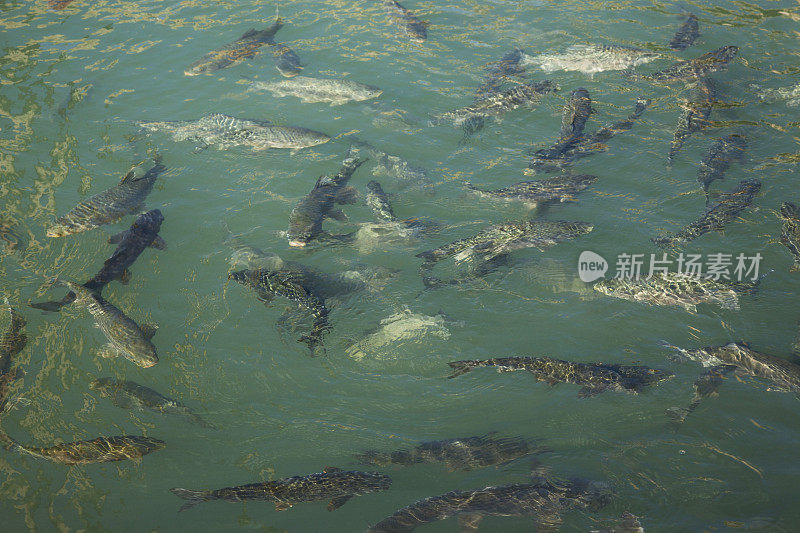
[591,59]
[329,90]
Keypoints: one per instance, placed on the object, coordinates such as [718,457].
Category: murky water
[75,82]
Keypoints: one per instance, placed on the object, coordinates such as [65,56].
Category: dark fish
[110,205]
[695,115]
[593,377]
[99,450]
[305,221]
[545,501]
[378,201]
[415,29]
[132,242]
[559,188]
[224,131]
[499,71]
[561,155]
[719,158]
[705,386]
[674,289]
[286,60]
[783,374]
[575,115]
[293,286]
[332,483]
[471,117]
[717,216]
[11,238]
[790,232]
[130,395]
[12,342]
[698,67]
[125,337]
[686,34]
[234,53]
[456,454]
[503,238]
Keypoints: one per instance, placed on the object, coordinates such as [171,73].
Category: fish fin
[108,351]
[252,32]
[193,497]
[119,237]
[460,367]
[346,195]
[337,502]
[337,214]
[468,522]
[125,276]
[149,330]
[331,469]
[282,506]
[588,392]
[128,177]
[158,243]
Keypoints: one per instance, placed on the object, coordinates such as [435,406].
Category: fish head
[145,445]
[726,53]
[305,224]
[144,356]
[58,230]
[201,66]
[149,221]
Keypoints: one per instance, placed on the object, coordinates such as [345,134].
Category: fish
[286,60]
[130,395]
[12,342]
[543,500]
[672,288]
[466,453]
[502,238]
[234,53]
[705,386]
[699,67]
[790,94]
[686,35]
[790,232]
[534,192]
[573,121]
[143,233]
[224,131]
[99,450]
[499,71]
[695,115]
[783,374]
[719,158]
[332,483]
[560,156]
[107,207]
[415,29]
[11,237]
[392,338]
[471,117]
[378,201]
[125,337]
[305,220]
[594,378]
[592,58]
[293,286]
[310,90]
[717,216]
[390,165]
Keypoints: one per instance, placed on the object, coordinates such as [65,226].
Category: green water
[732,465]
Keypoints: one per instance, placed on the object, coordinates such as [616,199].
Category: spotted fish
[698,67]
[466,453]
[790,232]
[594,378]
[559,188]
[110,205]
[695,116]
[234,53]
[686,35]
[130,395]
[12,342]
[717,216]
[125,337]
[332,484]
[542,500]
[132,242]
[99,450]
[499,71]
[224,131]
[719,158]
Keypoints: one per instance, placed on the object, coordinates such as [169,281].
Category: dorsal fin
[130,176]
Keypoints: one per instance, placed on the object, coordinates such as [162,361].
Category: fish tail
[193,497]
[460,368]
